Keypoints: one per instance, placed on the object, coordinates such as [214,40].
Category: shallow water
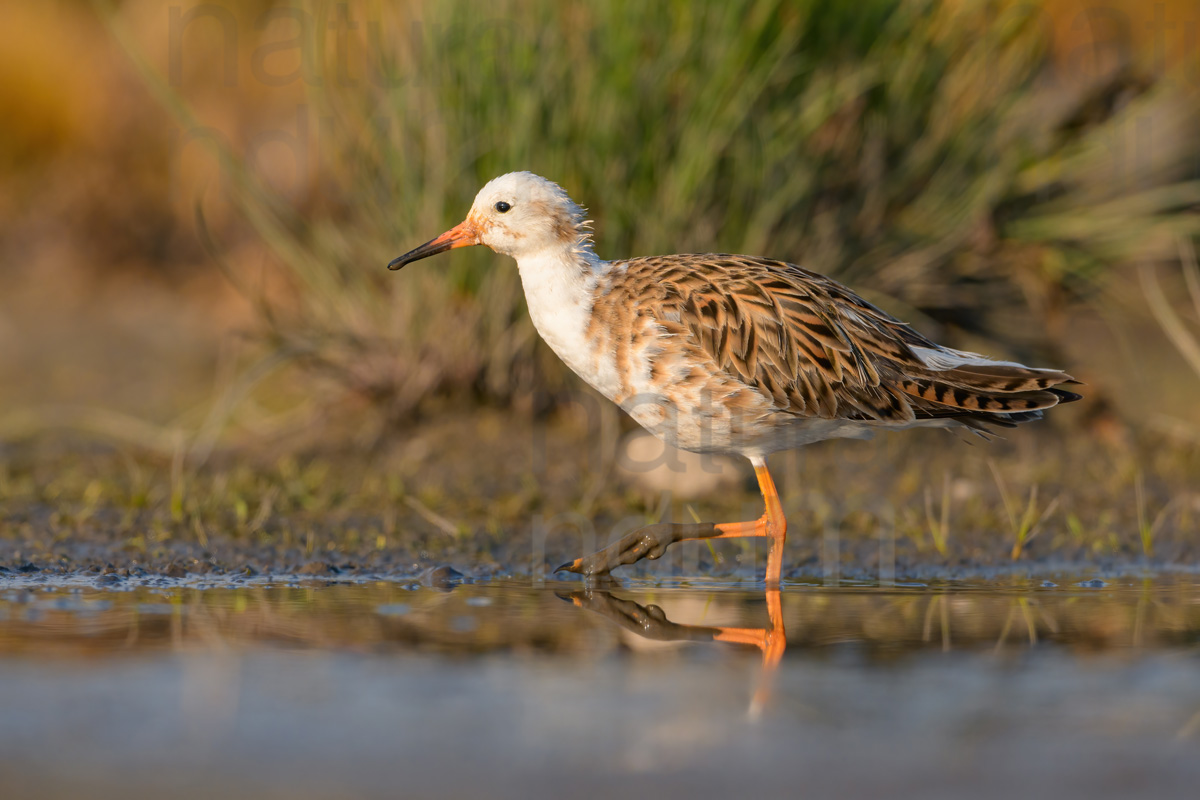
[279,689]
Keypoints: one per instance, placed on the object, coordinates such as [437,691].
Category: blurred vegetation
[933,155]
[979,168]
[1018,178]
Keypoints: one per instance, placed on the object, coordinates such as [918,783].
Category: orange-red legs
[771,641]
[652,541]
[651,623]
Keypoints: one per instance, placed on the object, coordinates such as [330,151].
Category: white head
[519,214]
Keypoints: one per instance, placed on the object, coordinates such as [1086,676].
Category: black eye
[503,207]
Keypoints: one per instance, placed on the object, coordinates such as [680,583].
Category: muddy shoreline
[496,493]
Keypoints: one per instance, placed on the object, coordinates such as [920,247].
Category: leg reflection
[651,622]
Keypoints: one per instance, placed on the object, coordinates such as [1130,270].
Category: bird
[731,354]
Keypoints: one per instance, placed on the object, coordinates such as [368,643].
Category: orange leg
[652,541]
[772,642]
[650,622]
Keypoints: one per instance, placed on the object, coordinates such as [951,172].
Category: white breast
[558,292]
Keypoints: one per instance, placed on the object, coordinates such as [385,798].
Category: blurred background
[197,201]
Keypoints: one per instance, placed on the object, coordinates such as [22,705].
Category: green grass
[446,501]
[1025,524]
[939,526]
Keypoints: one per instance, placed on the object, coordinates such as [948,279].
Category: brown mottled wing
[819,350]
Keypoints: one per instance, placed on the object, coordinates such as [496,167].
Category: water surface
[281,688]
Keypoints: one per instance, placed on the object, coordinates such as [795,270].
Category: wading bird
[730,353]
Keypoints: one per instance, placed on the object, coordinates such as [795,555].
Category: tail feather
[973,398]
[1003,378]
[984,395]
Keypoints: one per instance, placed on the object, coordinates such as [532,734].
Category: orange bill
[461,235]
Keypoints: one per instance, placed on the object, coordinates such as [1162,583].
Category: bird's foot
[649,542]
[647,621]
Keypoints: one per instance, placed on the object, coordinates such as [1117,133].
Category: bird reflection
[650,622]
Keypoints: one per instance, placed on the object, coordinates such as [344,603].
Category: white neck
[558,284]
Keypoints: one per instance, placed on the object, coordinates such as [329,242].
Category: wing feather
[814,348]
